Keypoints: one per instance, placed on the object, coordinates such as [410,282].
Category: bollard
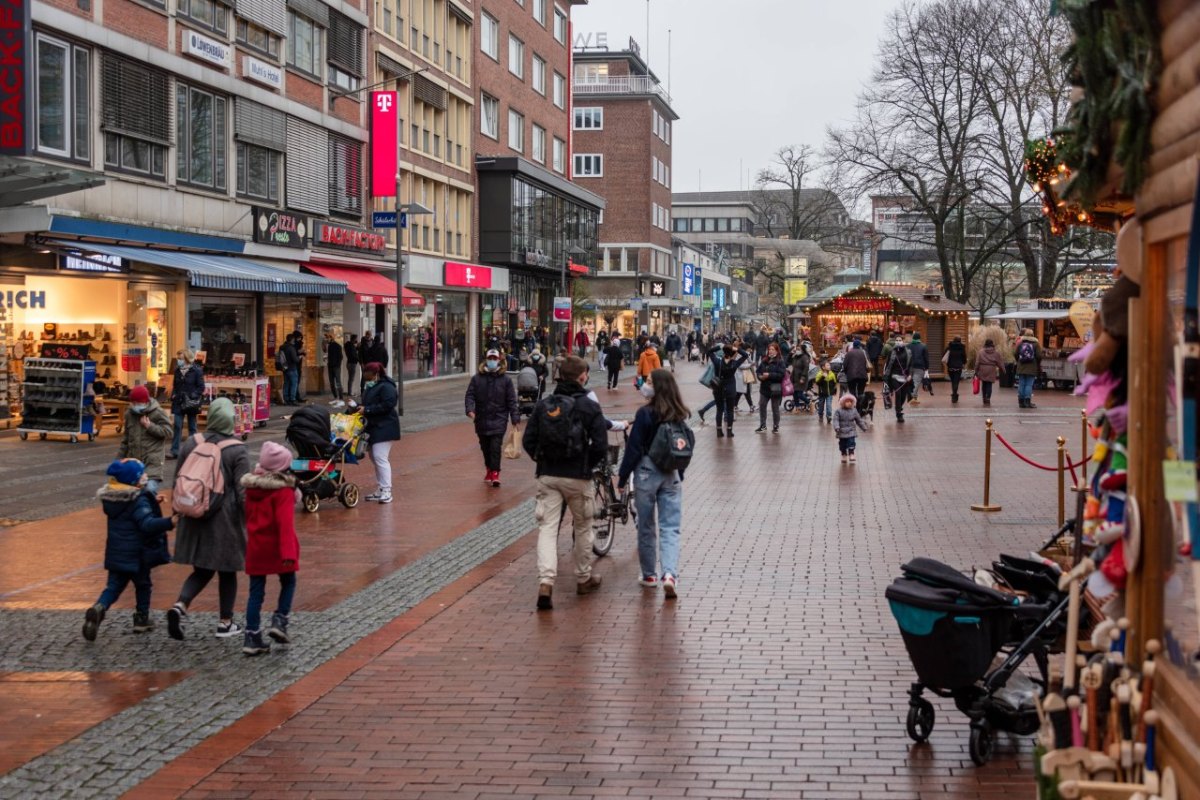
[1062,480]
[986,505]
[1083,452]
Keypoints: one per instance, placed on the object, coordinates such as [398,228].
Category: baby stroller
[322,458]
[953,629]
[866,405]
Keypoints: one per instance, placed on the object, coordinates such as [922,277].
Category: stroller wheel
[789,406]
[920,720]
[311,502]
[982,743]
[349,495]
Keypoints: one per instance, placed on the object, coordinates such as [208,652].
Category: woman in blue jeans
[188,385]
[656,490]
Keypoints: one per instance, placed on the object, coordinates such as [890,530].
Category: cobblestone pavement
[778,673]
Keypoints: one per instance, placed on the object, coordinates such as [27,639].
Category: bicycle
[611,507]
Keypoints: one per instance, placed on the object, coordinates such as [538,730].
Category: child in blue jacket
[137,542]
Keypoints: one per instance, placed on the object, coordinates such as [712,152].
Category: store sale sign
[862,304]
[384,146]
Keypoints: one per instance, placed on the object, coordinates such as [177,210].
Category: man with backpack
[1029,365]
[567,437]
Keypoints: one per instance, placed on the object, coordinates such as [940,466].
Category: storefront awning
[218,272]
[368,285]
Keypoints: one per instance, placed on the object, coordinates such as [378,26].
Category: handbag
[190,403]
[773,389]
[946,358]
[512,443]
[975,385]
[707,378]
[748,376]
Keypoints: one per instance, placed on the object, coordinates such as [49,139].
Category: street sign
[562,309]
[404,219]
[383,219]
[636,304]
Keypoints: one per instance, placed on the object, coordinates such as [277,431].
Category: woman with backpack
[771,371]
[1029,366]
[659,485]
[215,543]
[187,390]
[382,425]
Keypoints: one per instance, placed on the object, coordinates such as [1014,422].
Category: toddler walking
[271,544]
[136,543]
[845,419]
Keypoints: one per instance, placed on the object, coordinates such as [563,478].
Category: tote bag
[512,443]
[975,385]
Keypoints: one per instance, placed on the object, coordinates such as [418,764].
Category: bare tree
[995,286]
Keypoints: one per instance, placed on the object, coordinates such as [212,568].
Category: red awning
[367,284]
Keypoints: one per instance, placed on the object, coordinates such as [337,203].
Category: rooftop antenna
[647,33]
[668,61]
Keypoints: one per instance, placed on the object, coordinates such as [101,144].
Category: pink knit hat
[274,457]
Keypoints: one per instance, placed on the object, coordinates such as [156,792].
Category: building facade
[622,119]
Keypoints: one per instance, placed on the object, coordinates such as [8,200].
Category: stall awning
[219,272]
[367,284]
[1035,313]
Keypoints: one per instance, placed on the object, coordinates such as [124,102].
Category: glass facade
[435,337]
[546,226]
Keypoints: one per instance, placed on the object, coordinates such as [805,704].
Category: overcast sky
[746,76]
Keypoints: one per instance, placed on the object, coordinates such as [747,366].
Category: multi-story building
[622,119]
[178,176]
[532,219]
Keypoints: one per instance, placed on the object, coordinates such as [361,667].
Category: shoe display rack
[54,398]
[6,353]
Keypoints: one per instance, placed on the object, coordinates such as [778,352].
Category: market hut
[888,308]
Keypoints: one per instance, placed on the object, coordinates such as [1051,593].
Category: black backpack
[1026,352]
[561,436]
[671,447]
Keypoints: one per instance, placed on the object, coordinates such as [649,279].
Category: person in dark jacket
[136,543]
[379,353]
[771,371]
[352,361]
[955,359]
[726,361]
[874,351]
[602,339]
[364,357]
[491,401]
[333,363]
[290,360]
[614,357]
[187,391]
[382,425]
[918,365]
[565,480]
[897,376]
[802,357]
[857,369]
[215,545]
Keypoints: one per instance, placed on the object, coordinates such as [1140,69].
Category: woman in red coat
[271,544]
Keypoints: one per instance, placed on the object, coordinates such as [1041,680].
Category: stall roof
[907,293]
[221,272]
[1035,313]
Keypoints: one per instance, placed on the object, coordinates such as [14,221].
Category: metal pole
[986,505]
[1083,453]
[398,339]
[1062,480]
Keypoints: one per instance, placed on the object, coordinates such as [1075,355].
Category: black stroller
[953,629]
[321,464]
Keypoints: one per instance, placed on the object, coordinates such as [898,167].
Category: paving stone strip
[130,746]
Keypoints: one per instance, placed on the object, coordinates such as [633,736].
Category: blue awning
[221,272]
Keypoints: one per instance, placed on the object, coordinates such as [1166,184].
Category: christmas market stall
[889,308]
[1062,326]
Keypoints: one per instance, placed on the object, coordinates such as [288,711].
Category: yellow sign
[1082,314]
[794,290]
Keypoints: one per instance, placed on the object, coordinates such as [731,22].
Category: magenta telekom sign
[14,77]
[384,145]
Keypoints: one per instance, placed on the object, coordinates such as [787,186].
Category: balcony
[622,84]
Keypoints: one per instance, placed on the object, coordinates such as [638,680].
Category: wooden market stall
[1062,326]
[889,308]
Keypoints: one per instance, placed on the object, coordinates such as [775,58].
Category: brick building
[532,219]
[622,119]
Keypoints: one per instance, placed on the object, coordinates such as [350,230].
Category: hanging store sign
[279,228]
[384,143]
[688,281]
[264,72]
[15,74]
[471,276]
[92,262]
[652,288]
[863,304]
[344,237]
[205,48]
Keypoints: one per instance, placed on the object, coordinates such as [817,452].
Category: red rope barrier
[1032,463]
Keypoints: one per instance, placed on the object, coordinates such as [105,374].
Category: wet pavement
[421,670]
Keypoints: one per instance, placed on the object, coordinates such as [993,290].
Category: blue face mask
[369,384]
[492,364]
[138,408]
[180,362]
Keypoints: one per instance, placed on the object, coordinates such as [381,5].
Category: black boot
[729,432]
[953,398]
[720,431]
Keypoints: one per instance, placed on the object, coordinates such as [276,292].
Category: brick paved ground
[779,672]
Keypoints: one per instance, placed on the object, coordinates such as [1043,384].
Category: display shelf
[59,402]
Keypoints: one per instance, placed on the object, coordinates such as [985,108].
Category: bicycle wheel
[605,523]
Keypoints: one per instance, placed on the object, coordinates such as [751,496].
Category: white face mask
[647,390]
[138,408]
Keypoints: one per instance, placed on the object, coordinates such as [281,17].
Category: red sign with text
[384,149]
[15,68]
[862,304]
[472,276]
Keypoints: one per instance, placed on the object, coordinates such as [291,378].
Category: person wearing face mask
[726,361]
[491,401]
[187,394]
[147,429]
[382,425]
[771,371]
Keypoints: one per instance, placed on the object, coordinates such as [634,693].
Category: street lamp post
[402,214]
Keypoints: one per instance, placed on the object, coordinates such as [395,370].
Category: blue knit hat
[126,470]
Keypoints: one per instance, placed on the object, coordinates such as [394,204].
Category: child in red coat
[271,544]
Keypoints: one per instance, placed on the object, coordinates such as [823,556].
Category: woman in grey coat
[216,545]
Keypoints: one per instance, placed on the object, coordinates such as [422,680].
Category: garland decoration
[1049,175]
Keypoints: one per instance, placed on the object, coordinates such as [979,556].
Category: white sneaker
[374,496]
[228,631]
[384,497]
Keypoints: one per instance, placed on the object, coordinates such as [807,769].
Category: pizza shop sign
[343,237]
[863,304]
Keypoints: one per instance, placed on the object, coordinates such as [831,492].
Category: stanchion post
[1062,480]
[1083,451]
[986,505]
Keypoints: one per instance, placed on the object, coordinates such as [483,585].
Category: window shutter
[345,43]
[315,10]
[307,169]
[257,124]
[269,14]
[390,65]
[345,172]
[429,92]
[136,99]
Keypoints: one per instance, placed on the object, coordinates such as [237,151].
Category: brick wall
[138,21]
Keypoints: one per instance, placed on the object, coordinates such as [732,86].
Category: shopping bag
[975,385]
[788,388]
[708,377]
[512,443]
[748,376]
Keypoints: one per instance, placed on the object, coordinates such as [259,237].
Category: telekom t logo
[470,276]
[383,102]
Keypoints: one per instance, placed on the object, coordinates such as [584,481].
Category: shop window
[345,176]
[63,99]
[304,44]
[146,310]
[205,13]
[257,38]
[200,138]
[258,171]
[135,116]
[345,54]
[218,325]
